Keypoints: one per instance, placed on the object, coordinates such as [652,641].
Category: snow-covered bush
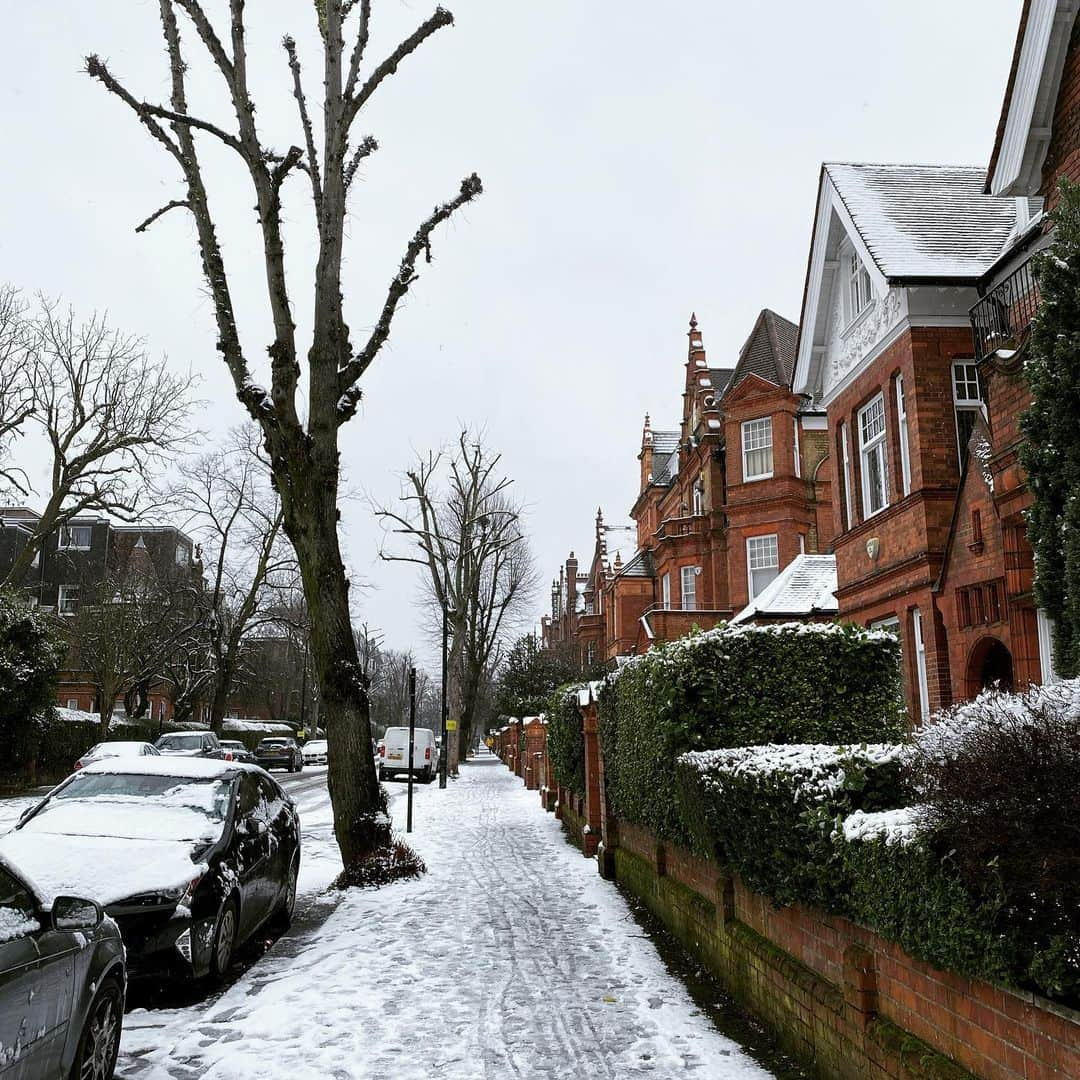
[741,686]
[1000,781]
[774,814]
[31,652]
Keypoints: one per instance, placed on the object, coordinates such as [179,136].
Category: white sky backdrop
[639,161]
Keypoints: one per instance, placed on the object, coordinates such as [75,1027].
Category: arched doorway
[990,666]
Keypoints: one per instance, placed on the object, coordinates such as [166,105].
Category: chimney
[645,456]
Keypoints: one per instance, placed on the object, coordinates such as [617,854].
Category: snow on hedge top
[674,652]
[948,732]
[893,826]
[925,220]
[816,770]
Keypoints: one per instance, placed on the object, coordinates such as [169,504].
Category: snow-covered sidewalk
[510,958]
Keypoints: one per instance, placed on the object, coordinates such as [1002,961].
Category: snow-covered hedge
[565,742]
[741,686]
[775,814]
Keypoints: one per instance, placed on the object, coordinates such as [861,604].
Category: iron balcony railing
[693,525]
[1002,318]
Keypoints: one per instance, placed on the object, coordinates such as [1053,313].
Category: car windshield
[273,744]
[137,806]
[232,745]
[318,746]
[179,742]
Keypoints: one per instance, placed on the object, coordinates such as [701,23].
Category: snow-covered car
[104,750]
[394,754]
[190,744]
[189,856]
[62,983]
[279,753]
[237,750]
[314,752]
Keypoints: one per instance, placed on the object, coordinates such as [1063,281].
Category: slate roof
[720,379]
[804,587]
[664,442]
[641,565]
[925,221]
[769,351]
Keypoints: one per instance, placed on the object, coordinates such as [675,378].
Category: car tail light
[228,755]
[427,754]
[382,750]
[78,765]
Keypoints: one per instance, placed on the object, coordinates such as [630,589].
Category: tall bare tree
[478,572]
[304,455]
[16,389]
[108,414]
[229,507]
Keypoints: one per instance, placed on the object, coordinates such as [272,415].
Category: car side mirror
[76,913]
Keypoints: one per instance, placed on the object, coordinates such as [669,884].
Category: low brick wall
[840,998]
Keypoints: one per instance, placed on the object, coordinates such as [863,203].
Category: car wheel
[382,774]
[284,914]
[99,1044]
[300,765]
[224,945]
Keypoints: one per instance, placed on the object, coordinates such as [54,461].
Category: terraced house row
[862,465]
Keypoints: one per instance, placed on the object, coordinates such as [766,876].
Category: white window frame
[920,665]
[905,445]
[758,543]
[872,449]
[73,703]
[849,505]
[753,443]
[796,448]
[67,535]
[963,402]
[1046,647]
[62,599]
[698,497]
[688,574]
[858,290]
[665,591]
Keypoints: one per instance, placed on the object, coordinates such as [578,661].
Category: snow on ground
[510,958]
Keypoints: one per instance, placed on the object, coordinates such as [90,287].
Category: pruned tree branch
[174,204]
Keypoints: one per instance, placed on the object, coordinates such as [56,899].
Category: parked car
[314,752]
[62,983]
[117,749]
[238,751]
[279,753]
[394,754]
[190,744]
[191,857]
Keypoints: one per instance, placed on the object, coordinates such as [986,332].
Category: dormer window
[859,294]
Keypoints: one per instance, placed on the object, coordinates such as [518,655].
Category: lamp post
[446,613]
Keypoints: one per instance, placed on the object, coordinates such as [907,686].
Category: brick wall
[1063,156]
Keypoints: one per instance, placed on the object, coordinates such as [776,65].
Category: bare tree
[479,573]
[108,413]
[304,455]
[230,508]
[16,391]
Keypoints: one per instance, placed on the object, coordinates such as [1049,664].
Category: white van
[394,753]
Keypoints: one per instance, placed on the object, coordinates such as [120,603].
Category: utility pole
[412,744]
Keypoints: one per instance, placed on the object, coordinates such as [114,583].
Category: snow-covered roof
[804,587]
[925,221]
[641,565]
[664,442]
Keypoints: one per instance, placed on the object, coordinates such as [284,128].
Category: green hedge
[771,813]
[741,686]
[565,741]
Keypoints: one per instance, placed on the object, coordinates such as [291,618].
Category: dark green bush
[772,814]
[565,742]
[741,686]
[31,652]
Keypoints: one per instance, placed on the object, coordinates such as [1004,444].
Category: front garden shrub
[999,778]
[565,740]
[772,814]
[741,686]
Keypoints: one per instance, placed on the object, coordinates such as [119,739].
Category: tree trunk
[360,822]
[219,700]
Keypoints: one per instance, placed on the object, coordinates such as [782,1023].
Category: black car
[190,744]
[62,984]
[279,753]
[190,857]
[237,749]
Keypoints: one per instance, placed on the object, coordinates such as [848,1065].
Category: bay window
[875,491]
[757,447]
[762,562]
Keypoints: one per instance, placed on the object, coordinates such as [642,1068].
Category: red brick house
[726,501]
[896,255]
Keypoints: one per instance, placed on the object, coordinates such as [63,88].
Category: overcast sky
[640,161]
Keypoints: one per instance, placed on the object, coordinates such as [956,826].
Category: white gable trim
[1028,124]
[821,278]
